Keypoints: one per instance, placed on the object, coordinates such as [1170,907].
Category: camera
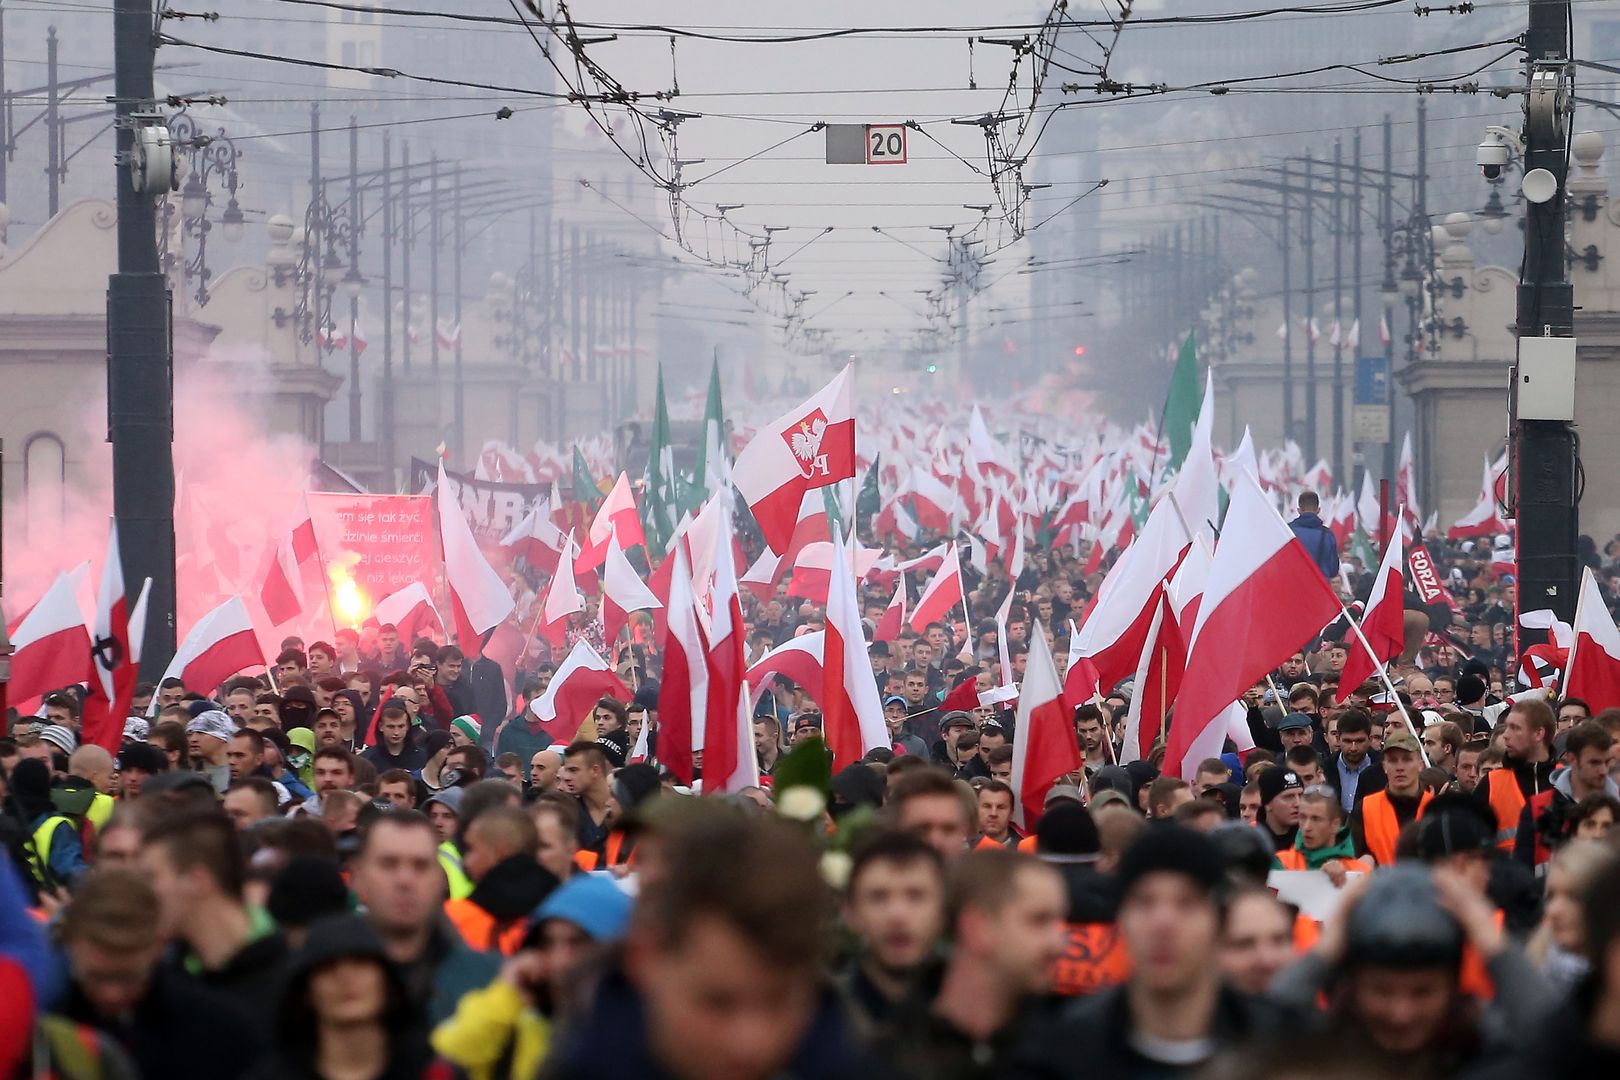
[1491,156]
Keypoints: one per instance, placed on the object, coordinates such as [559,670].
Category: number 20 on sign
[885,144]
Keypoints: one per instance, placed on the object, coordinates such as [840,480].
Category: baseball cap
[956,719]
[895,699]
[1401,739]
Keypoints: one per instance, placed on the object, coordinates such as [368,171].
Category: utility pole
[385,419]
[140,354]
[406,242]
[1288,312]
[1338,312]
[459,445]
[53,123]
[355,218]
[1308,242]
[1545,461]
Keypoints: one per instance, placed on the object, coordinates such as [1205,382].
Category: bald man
[93,764]
[543,768]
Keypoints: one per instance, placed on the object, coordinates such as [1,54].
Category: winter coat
[494,1035]
[1319,543]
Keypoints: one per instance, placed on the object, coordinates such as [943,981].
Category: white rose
[835,868]
[801,803]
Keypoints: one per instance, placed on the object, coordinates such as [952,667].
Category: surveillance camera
[1491,156]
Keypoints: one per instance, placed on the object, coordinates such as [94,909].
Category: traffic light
[932,369]
[1079,350]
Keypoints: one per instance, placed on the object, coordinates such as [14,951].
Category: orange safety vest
[1507,803]
[1026,846]
[1472,978]
[481,931]
[1093,959]
[614,854]
[1382,828]
[1294,859]
[986,842]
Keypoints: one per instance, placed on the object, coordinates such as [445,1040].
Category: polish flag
[616,516]
[448,333]
[727,658]
[410,610]
[814,568]
[894,616]
[760,579]
[220,644]
[684,690]
[115,659]
[536,539]
[1080,677]
[282,593]
[1045,748]
[931,501]
[562,600]
[930,560]
[1263,600]
[807,447]
[1483,519]
[1158,681]
[1406,480]
[1383,330]
[853,712]
[358,336]
[1352,340]
[811,527]
[1383,623]
[894,521]
[1593,672]
[623,591]
[478,597]
[943,594]
[1282,332]
[1341,519]
[799,659]
[1114,631]
[582,679]
[51,642]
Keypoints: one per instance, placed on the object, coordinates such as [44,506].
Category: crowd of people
[373,862]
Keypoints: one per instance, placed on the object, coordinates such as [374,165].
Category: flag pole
[1389,687]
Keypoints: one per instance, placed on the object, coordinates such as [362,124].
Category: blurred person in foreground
[720,977]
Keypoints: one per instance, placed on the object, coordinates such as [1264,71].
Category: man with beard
[895,906]
[1088,725]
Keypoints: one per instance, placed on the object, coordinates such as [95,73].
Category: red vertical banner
[371,546]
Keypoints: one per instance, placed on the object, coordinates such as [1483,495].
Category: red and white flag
[1383,623]
[623,591]
[1483,519]
[282,593]
[448,333]
[683,692]
[536,539]
[220,644]
[115,659]
[1158,680]
[808,447]
[932,503]
[1115,629]
[358,336]
[943,594]
[814,568]
[582,679]
[727,658]
[409,610]
[1593,672]
[479,600]
[894,616]
[853,712]
[562,600]
[617,516]
[51,642]
[1383,330]
[1045,748]
[1263,600]
[799,659]
[760,578]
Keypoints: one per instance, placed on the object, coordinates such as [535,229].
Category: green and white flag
[712,466]
[1181,405]
[662,497]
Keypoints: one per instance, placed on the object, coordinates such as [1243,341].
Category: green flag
[711,452]
[868,503]
[585,490]
[658,504]
[1181,404]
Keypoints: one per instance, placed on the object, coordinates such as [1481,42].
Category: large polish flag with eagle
[808,447]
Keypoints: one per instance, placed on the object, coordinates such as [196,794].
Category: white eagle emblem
[804,439]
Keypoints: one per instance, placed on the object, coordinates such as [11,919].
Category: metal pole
[140,360]
[406,242]
[1288,311]
[433,274]
[53,124]
[1338,310]
[355,217]
[1546,459]
[385,422]
[1308,242]
[459,446]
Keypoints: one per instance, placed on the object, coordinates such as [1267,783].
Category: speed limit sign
[885,144]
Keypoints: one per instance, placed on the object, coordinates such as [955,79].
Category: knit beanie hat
[469,726]
[1175,849]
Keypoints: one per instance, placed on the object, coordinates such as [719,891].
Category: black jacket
[609,1042]
[249,979]
[1091,1039]
[178,1029]
[1372,778]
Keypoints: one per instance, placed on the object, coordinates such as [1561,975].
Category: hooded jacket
[493,917]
